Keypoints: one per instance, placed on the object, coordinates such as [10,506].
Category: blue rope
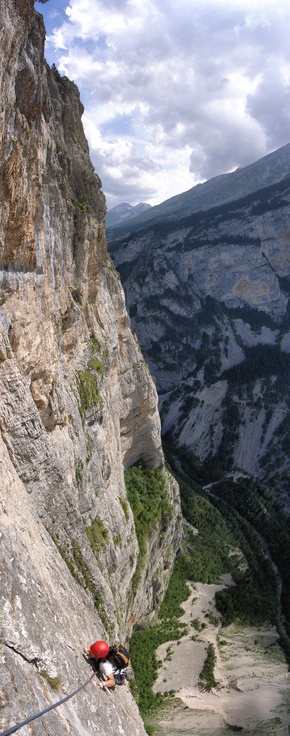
[50,707]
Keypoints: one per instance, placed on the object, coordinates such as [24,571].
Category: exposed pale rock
[46,619]
[77,402]
[207,413]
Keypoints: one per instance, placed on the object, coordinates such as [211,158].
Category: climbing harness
[50,707]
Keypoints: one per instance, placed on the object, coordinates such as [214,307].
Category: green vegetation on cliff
[88,391]
[147,495]
[97,534]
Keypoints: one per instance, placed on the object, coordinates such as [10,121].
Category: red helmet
[99,649]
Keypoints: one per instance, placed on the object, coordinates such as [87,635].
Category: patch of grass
[74,559]
[125,507]
[106,353]
[54,682]
[149,730]
[81,205]
[88,391]
[90,447]
[169,655]
[79,472]
[89,584]
[95,364]
[95,344]
[64,552]
[197,624]
[214,620]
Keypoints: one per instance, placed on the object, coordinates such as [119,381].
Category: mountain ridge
[125,211]
[219,190]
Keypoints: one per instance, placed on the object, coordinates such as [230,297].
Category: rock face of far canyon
[207,282]
[77,406]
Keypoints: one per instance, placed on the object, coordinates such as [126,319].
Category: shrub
[97,534]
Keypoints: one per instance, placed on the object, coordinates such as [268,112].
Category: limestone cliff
[208,293]
[77,404]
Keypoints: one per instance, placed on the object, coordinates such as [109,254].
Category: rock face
[208,294]
[77,404]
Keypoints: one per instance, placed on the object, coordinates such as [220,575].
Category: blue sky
[175,91]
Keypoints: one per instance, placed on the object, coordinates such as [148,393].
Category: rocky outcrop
[77,404]
[208,294]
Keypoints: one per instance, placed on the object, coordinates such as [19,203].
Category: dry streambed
[252,695]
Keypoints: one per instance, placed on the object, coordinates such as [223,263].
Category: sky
[175,91]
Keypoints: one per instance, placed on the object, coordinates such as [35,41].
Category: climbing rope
[50,707]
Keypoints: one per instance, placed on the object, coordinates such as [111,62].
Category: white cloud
[175,93]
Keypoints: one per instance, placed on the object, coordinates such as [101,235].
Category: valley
[251,691]
[144,436]
[207,284]
[208,296]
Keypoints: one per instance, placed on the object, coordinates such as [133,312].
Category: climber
[107,665]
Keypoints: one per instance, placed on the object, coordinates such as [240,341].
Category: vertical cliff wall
[77,404]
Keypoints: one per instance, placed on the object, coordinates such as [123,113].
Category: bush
[88,391]
[97,534]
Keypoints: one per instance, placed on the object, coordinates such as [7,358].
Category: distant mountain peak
[125,211]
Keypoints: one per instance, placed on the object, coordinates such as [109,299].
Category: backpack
[121,655]
[119,678]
